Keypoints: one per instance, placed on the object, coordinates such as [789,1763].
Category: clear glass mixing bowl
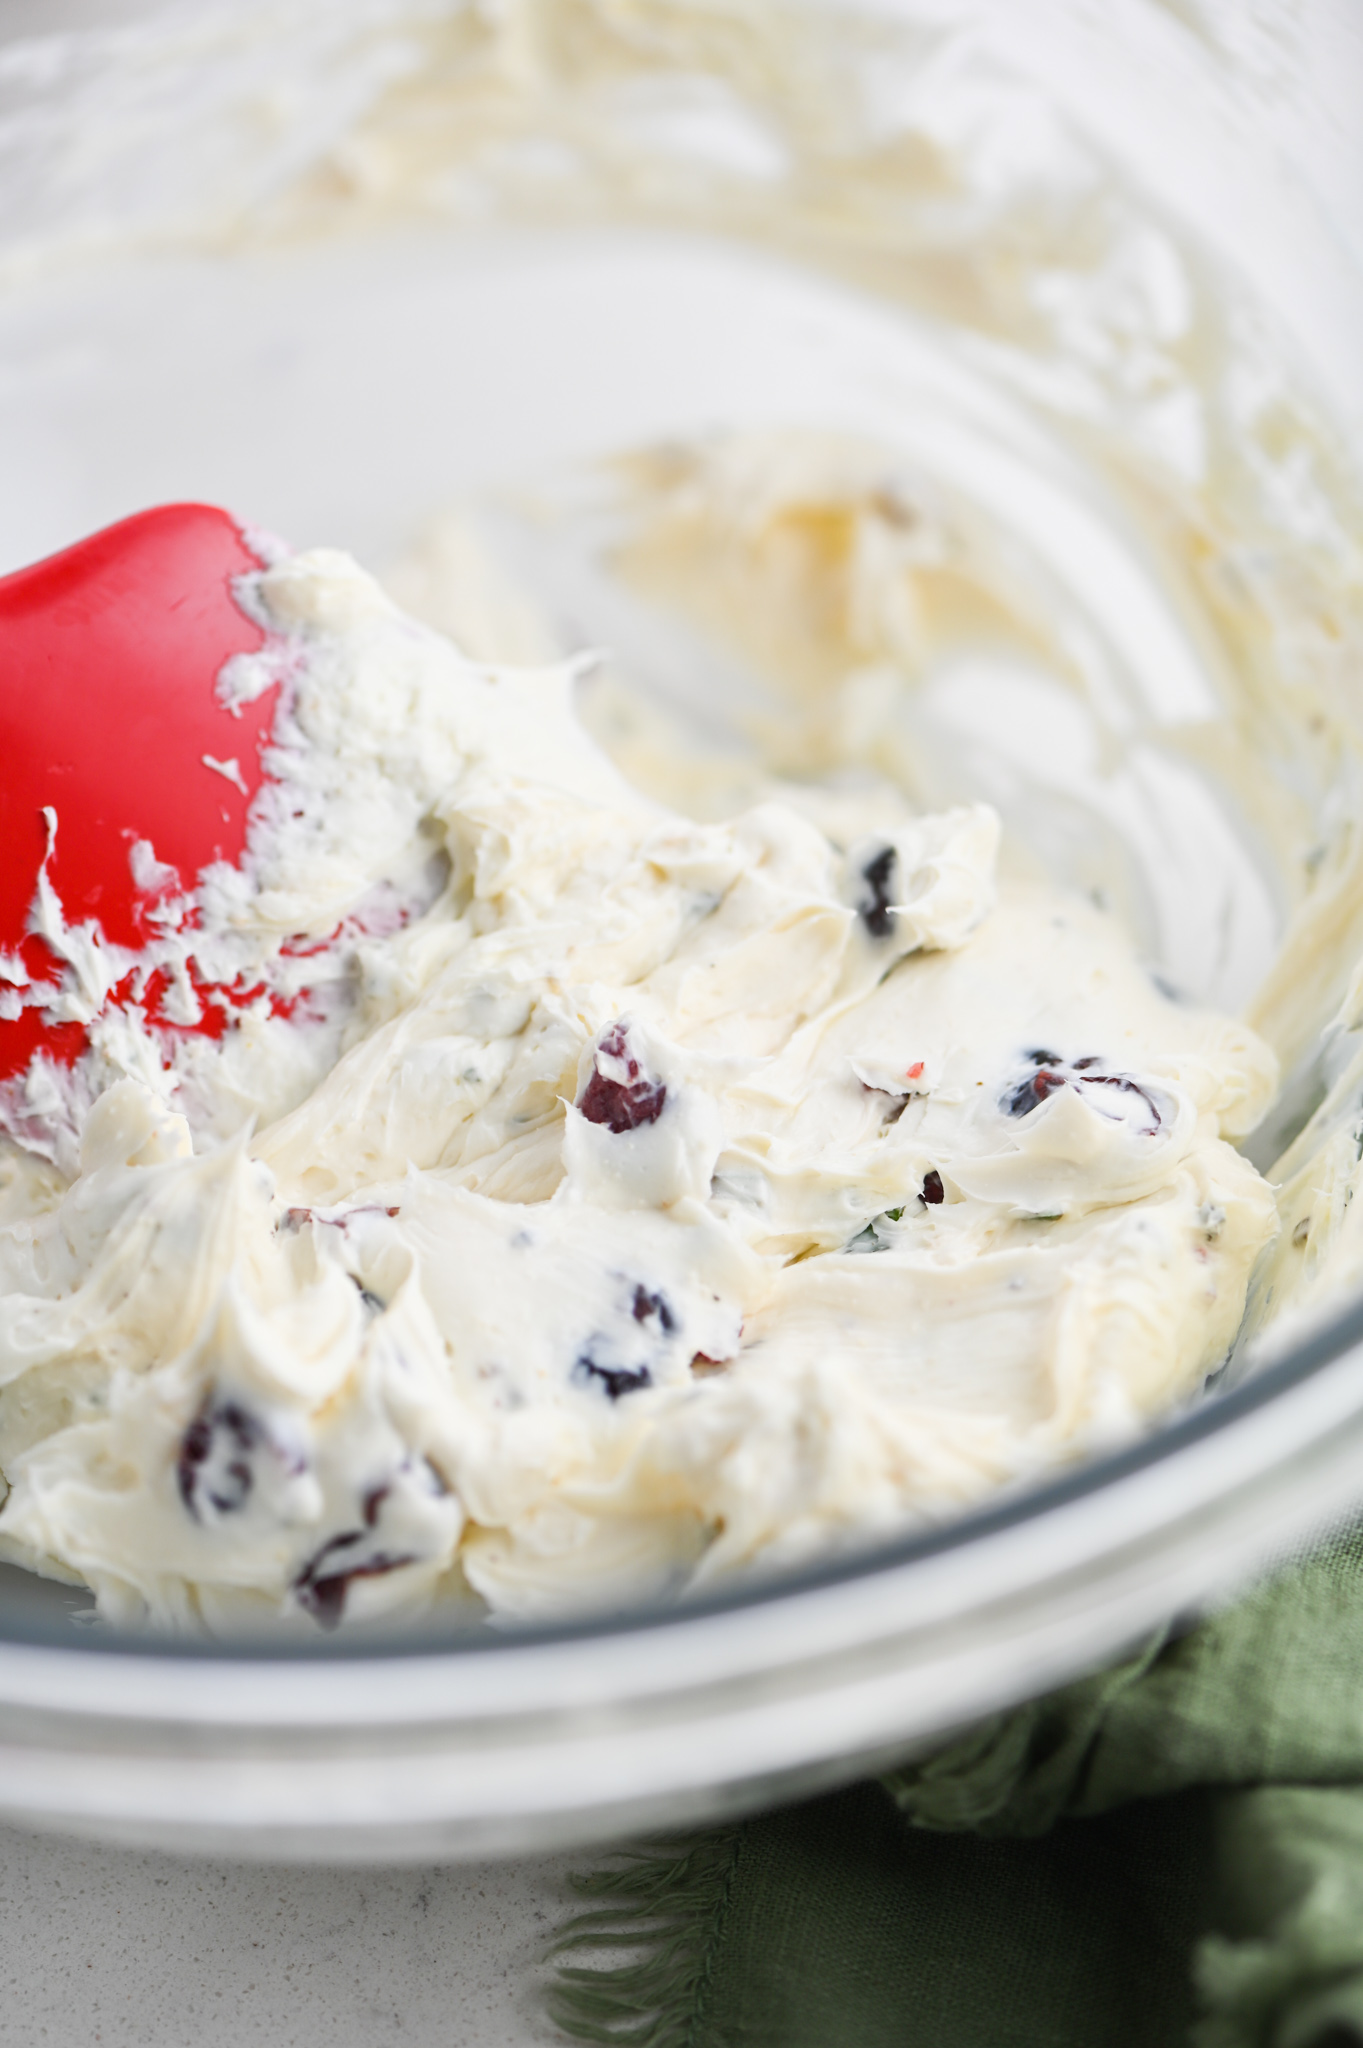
[1093,273]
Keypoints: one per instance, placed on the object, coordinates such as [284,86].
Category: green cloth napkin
[1168,1852]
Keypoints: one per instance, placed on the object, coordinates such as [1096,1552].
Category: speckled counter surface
[118,1946]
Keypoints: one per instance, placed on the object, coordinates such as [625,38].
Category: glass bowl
[1091,277]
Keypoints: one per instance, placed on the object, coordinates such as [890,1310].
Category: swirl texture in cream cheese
[593,1201]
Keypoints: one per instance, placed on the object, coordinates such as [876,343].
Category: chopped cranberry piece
[293,1219]
[1029,1094]
[617,1380]
[932,1190]
[874,908]
[648,1307]
[323,1583]
[896,1104]
[214,1468]
[1052,1074]
[627,1098]
[1128,1087]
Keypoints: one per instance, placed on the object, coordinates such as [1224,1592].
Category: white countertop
[103,1946]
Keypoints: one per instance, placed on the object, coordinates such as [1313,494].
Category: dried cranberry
[895,1105]
[1053,1074]
[648,1306]
[874,908]
[703,1366]
[1128,1087]
[932,1190]
[621,1105]
[616,1379]
[293,1219]
[1031,1093]
[323,1583]
[214,1468]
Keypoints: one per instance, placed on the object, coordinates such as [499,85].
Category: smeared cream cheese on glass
[595,1201]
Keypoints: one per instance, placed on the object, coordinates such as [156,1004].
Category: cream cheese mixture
[592,1201]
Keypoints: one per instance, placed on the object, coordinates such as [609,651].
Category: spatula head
[110,654]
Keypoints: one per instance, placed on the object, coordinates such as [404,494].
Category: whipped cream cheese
[590,1201]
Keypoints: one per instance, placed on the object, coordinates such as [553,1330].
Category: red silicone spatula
[109,656]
